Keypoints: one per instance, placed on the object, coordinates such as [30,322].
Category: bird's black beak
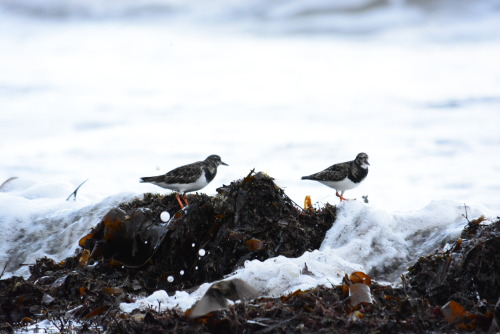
[223,163]
[366,162]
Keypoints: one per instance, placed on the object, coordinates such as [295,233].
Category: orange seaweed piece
[97,311]
[356,315]
[84,258]
[84,239]
[308,203]
[345,290]
[113,290]
[360,277]
[453,311]
[295,293]
[112,227]
[255,244]
[114,263]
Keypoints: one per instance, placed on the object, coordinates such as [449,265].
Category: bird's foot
[185,199]
[342,198]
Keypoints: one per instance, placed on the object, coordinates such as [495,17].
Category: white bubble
[201,252]
[182,272]
[192,245]
[165,216]
[170,279]
[196,267]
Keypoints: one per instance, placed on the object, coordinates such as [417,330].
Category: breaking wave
[342,16]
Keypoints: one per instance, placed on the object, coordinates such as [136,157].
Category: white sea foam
[37,221]
[363,238]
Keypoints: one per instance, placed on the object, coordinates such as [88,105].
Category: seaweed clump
[469,272]
[249,219]
[425,302]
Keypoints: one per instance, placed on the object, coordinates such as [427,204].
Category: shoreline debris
[131,253]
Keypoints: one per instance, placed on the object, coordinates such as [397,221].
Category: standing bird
[187,178]
[343,176]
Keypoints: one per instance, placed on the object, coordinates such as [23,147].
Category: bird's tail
[147,178]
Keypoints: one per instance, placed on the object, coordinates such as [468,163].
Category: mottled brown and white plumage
[343,176]
[187,178]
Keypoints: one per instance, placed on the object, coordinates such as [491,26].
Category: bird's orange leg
[185,199]
[179,201]
[342,198]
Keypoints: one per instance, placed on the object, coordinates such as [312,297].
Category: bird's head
[215,160]
[362,160]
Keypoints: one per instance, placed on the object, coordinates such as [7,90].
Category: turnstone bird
[217,295]
[187,178]
[343,176]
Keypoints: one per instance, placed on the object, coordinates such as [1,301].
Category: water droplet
[182,272]
[201,252]
[196,267]
[170,279]
[165,216]
[192,245]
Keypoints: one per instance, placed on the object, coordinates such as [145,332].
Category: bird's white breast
[342,185]
[200,183]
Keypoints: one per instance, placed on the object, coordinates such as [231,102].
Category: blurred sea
[114,90]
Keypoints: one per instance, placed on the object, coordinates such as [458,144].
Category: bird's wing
[336,172]
[184,174]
